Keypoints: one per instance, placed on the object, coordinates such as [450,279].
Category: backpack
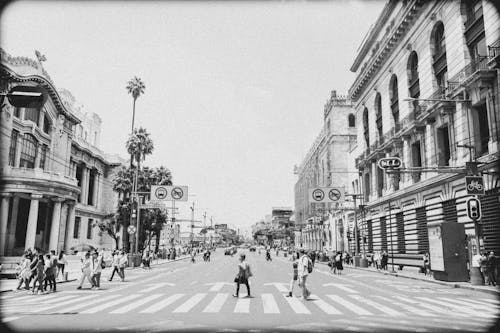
[309,266]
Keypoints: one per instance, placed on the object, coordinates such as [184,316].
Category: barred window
[76,230]
[43,156]
[32,114]
[46,125]
[13,147]
[28,151]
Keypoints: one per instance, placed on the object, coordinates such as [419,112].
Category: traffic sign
[474,185]
[169,193]
[326,194]
[131,229]
[153,204]
[389,163]
[474,209]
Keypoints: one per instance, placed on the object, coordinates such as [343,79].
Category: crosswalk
[276,303]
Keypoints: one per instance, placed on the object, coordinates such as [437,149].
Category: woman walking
[86,271]
[338,263]
[61,263]
[122,263]
[244,273]
[25,272]
[295,276]
[115,265]
[39,274]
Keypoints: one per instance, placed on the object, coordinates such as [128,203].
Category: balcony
[436,104]
[36,179]
[478,68]
[411,123]
[494,54]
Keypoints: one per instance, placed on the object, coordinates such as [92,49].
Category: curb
[443,283]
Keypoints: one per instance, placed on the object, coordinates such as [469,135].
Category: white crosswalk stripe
[53,306]
[136,304]
[378,306]
[324,306]
[480,302]
[162,304]
[482,307]
[269,304]
[455,307]
[353,307]
[104,306]
[242,305]
[406,307]
[190,303]
[92,302]
[297,305]
[217,302]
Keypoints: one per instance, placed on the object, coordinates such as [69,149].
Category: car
[252,249]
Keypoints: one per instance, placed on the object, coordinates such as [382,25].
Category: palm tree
[136,88]
[139,145]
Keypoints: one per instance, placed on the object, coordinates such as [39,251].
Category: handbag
[237,278]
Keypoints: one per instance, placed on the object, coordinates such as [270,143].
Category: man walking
[244,273]
[115,263]
[86,271]
[303,269]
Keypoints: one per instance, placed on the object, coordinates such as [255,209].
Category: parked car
[252,249]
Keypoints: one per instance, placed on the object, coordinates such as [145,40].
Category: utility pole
[204,226]
[192,224]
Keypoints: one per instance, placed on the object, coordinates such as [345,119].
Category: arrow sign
[342,286]
[217,286]
[279,285]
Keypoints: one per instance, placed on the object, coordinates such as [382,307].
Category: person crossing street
[304,269]
[244,273]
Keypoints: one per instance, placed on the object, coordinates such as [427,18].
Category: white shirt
[303,263]
[476,260]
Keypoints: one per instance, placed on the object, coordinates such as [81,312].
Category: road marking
[190,303]
[481,302]
[456,307]
[297,305]
[279,285]
[7,319]
[110,304]
[405,299]
[435,308]
[407,307]
[342,287]
[269,304]
[482,307]
[353,307]
[92,302]
[327,308]
[162,304]
[217,286]
[242,305]
[52,306]
[216,304]
[156,286]
[136,304]
[56,300]
[376,305]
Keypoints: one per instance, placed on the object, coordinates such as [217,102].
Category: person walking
[331,263]
[114,263]
[304,268]
[295,273]
[24,270]
[384,260]
[338,263]
[122,263]
[61,264]
[34,262]
[378,260]
[491,265]
[484,268]
[86,271]
[39,274]
[96,267]
[244,273]
[50,271]
[427,266]
[312,257]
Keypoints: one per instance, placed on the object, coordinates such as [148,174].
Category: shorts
[295,277]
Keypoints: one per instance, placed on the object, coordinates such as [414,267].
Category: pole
[138,224]
[392,246]
[192,224]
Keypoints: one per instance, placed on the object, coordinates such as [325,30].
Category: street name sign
[169,193]
[154,204]
[326,194]
[474,185]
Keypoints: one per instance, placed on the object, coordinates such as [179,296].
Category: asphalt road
[185,296]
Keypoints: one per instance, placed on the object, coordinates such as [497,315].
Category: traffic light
[474,209]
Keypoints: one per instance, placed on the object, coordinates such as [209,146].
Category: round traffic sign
[161,193]
[177,193]
[334,194]
[318,194]
[131,229]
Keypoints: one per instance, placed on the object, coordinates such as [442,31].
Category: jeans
[245,282]
[51,280]
[117,270]
[96,279]
[303,281]
[89,278]
[122,273]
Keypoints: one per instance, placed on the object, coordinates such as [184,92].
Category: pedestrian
[491,265]
[427,266]
[34,262]
[378,260]
[331,263]
[96,267]
[86,271]
[484,267]
[114,263]
[295,273]
[39,274]
[312,257]
[193,254]
[24,270]
[384,260]
[244,273]
[338,263]
[122,263]
[50,271]
[304,268]
[61,264]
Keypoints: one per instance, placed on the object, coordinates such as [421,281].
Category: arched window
[351,120]
[29,148]
[413,80]
[438,50]
[365,127]
[394,97]
[378,117]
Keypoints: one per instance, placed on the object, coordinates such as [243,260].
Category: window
[328,125]
[79,176]
[365,127]
[416,155]
[90,197]
[28,151]
[32,115]
[481,129]
[17,112]
[89,228]
[43,156]
[367,187]
[351,120]
[439,56]
[413,79]
[378,115]
[76,230]
[474,11]
[443,146]
[46,125]
[438,40]
[13,147]
[380,181]
[394,97]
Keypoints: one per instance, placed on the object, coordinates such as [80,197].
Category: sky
[235,91]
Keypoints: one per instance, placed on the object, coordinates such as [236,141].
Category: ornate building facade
[55,183]
[427,91]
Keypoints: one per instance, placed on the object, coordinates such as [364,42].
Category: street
[185,296]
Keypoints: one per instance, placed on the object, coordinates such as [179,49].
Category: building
[325,165]
[55,181]
[427,91]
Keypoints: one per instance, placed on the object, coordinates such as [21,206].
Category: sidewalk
[73,270]
[413,273]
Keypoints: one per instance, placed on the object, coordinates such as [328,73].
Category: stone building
[427,91]
[326,164]
[55,183]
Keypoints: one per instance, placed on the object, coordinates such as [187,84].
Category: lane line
[136,304]
[242,305]
[162,304]
[351,306]
[110,304]
[71,301]
[297,305]
[190,303]
[456,307]
[217,302]
[407,307]
[269,304]
[483,307]
[326,307]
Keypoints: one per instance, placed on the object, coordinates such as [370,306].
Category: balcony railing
[48,177]
[494,49]
[476,64]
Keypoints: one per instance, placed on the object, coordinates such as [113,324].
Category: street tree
[136,88]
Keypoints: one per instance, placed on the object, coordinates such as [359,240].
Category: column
[19,147]
[70,225]
[95,190]
[32,222]
[56,223]
[41,119]
[38,155]
[4,217]
[13,224]
[85,187]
